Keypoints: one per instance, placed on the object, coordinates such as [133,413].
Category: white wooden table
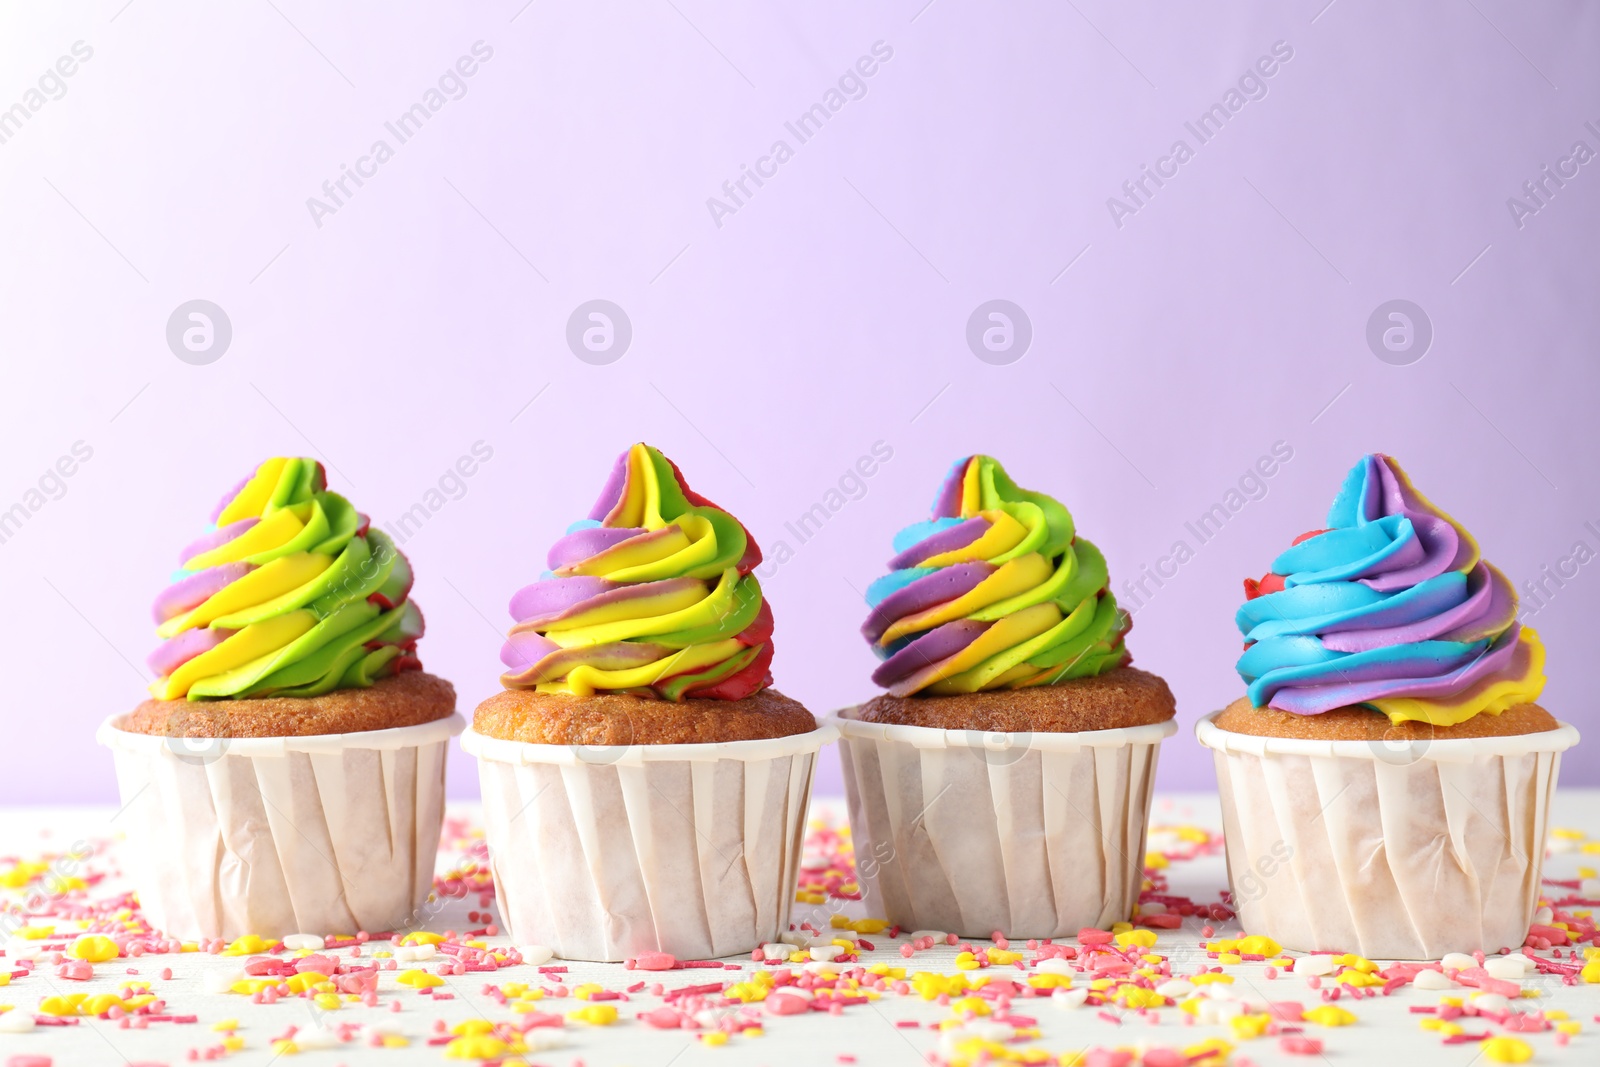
[1387,1030]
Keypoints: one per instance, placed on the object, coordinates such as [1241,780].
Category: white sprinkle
[1053,966]
[1320,964]
[1543,916]
[1458,961]
[797,938]
[937,935]
[1512,968]
[541,1038]
[16,1022]
[296,942]
[315,1037]
[1589,889]
[1175,988]
[1067,999]
[1562,844]
[1432,979]
[825,953]
[1152,908]
[775,951]
[413,953]
[219,981]
[533,955]
[1490,1002]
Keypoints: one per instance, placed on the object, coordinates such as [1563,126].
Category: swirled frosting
[1391,607]
[289,592]
[651,595]
[994,591]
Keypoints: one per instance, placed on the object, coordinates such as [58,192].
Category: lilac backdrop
[775,338]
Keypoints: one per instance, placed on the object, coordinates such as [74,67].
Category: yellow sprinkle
[1259,945]
[594,1015]
[1208,1053]
[1210,977]
[745,992]
[1118,928]
[1229,957]
[1352,977]
[1000,957]
[421,937]
[1050,981]
[754,1031]
[1569,1028]
[1249,1027]
[975,1005]
[1154,861]
[233,1043]
[225,1025]
[587,990]
[714,1038]
[1329,1015]
[475,1047]
[419,978]
[1141,938]
[1356,963]
[1591,971]
[328,1001]
[1450,1029]
[472,1026]
[1507,1050]
[96,1003]
[248,945]
[289,1048]
[96,948]
[36,933]
[1570,835]
[302,982]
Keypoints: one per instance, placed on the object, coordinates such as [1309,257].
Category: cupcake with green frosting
[995,615]
[644,785]
[283,613]
[290,729]
[1013,732]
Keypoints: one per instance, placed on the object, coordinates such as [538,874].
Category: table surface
[888,1029]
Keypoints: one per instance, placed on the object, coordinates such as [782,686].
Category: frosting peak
[289,593]
[994,591]
[1392,607]
[651,595]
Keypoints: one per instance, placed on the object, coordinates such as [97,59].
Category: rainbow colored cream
[651,595]
[1391,607]
[289,593]
[994,591]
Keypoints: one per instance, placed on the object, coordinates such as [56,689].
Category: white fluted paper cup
[1390,849]
[1034,835]
[324,834]
[602,853]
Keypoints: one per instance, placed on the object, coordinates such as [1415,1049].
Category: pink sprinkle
[166,974]
[1206,931]
[907,951]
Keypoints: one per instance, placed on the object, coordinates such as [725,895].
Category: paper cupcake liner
[1393,850]
[1034,835]
[604,853]
[331,833]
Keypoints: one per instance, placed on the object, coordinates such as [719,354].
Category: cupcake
[1002,781]
[287,773]
[1386,777]
[644,788]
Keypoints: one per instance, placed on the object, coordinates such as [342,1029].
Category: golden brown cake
[1360,724]
[621,719]
[1122,697]
[408,699]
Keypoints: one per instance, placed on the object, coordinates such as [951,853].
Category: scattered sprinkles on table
[1179,987]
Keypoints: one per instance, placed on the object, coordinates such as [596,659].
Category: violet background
[826,314]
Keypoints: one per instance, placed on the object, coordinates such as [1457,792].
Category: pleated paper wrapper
[1393,850]
[1034,835]
[324,834]
[604,853]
